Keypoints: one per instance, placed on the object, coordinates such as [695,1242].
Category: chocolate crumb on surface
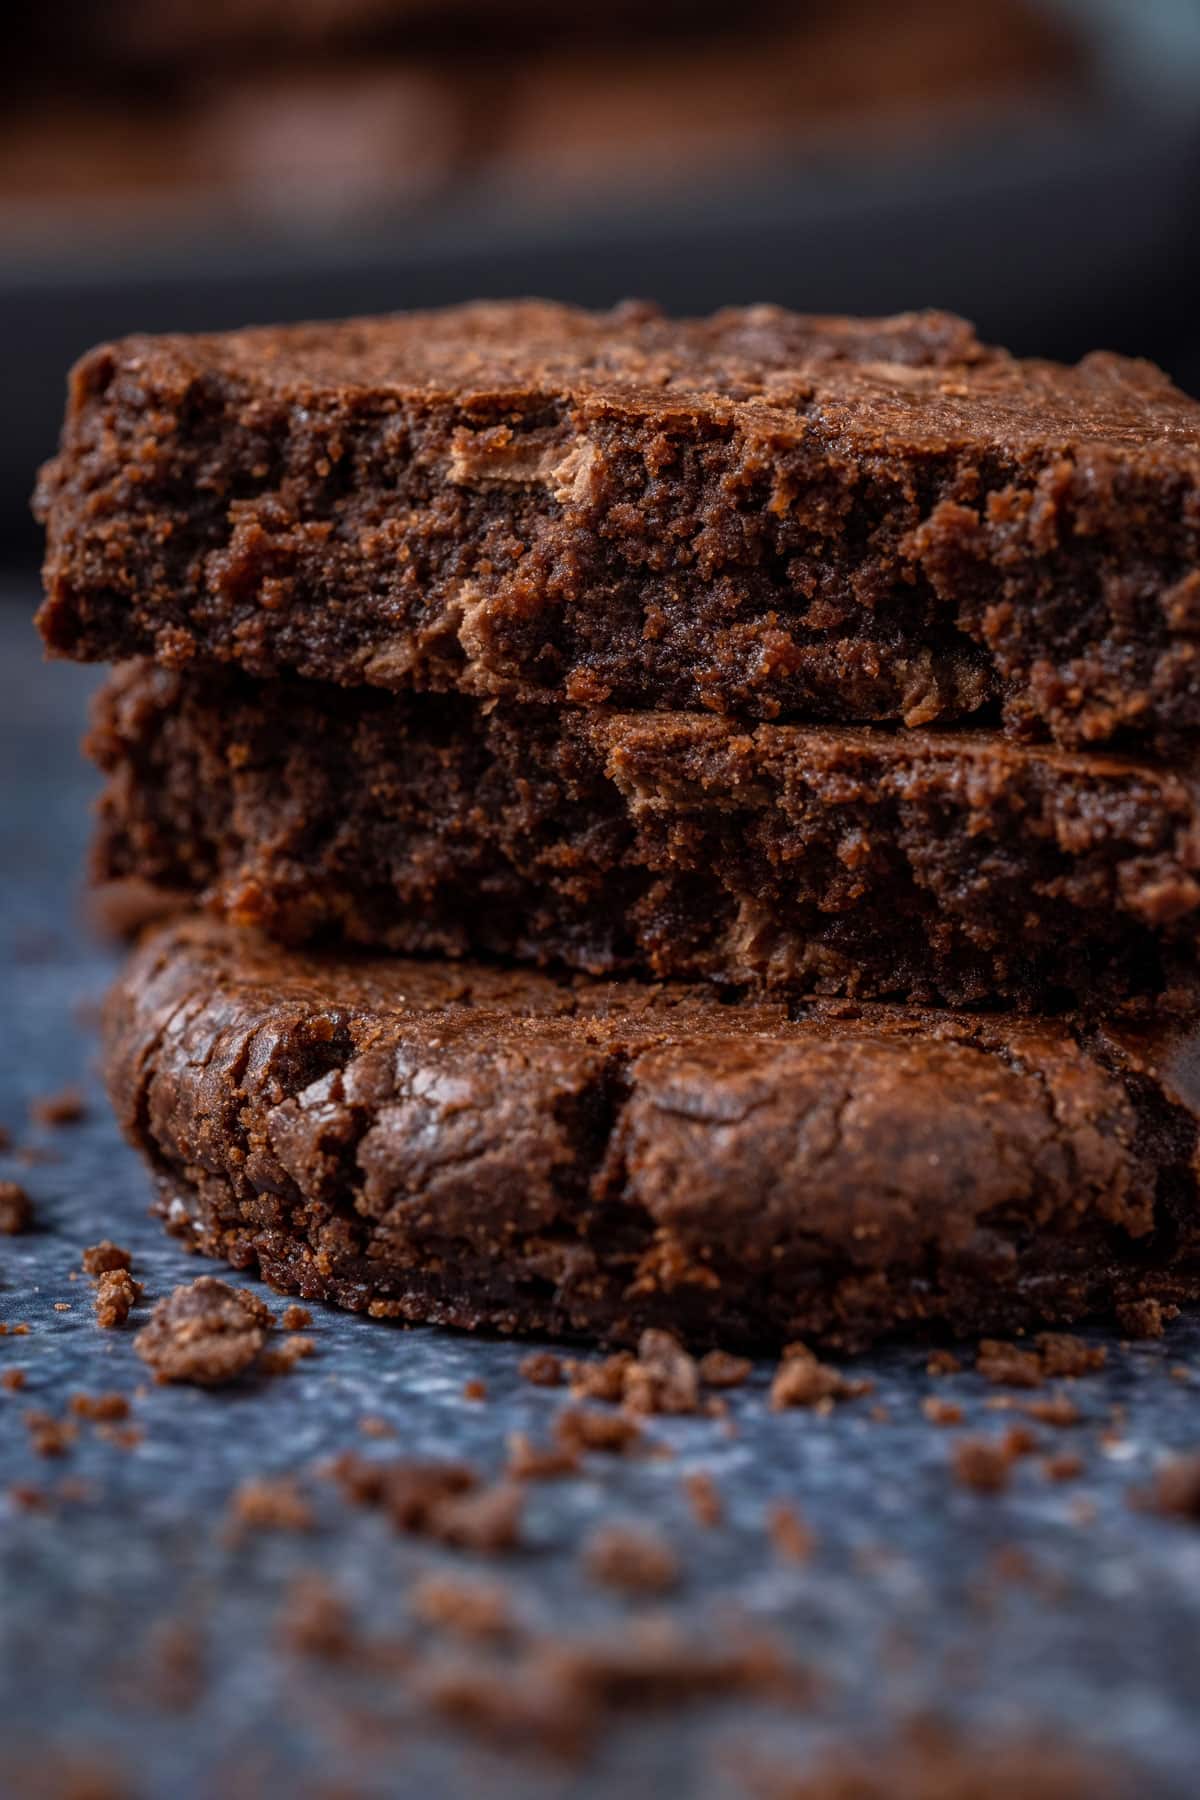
[13,1380]
[1055,1409]
[316,1621]
[16,1209]
[99,1259]
[1068,1356]
[104,1408]
[941,1412]
[295,1318]
[528,1461]
[66,1107]
[790,1535]
[281,1359]
[49,1436]
[439,1500]
[1176,1489]
[270,1503]
[803,1380]
[486,1519]
[663,1378]
[117,1293]
[1064,1465]
[474,1389]
[943,1362]
[704,1498]
[981,1464]
[476,1610]
[930,1761]
[542,1368]
[205,1333]
[722,1369]
[635,1560]
[577,1428]
[1007,1365]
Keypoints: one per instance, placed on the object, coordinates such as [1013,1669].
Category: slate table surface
[898,1608]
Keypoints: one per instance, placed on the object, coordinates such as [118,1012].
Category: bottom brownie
[484,1148]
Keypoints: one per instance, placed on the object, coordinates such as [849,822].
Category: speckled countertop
[899,1608]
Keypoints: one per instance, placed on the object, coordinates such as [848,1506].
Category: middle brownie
[913,865]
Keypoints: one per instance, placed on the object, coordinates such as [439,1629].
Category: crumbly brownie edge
[906,866]
[866,523]
[592,1174]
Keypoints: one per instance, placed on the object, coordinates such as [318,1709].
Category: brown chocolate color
[482,1148]
[758,512]
[901,865]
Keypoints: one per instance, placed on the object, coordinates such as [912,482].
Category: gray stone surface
[896,1608]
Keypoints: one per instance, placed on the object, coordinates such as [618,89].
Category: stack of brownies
[693,822]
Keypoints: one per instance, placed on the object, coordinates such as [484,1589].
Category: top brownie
[759,512]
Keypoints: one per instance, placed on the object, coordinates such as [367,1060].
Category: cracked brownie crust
[903,865]
[759,512]
[483,1148]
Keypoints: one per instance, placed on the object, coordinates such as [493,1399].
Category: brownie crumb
[295,1318]
[542,1369]
[1176,1490]
[66,1107]
[1006,1365]
[16,1209]
[704,1498]
[487,1520]
[316,1621]
[664,1378]
[440,1500]
[637,1561]
[1064,1465]
[603,1380]
[99,1259]
[477,1610]
[721,1369]
[1064,1355]
[577,1429]
[1145,1318]
[269,1503]
[49,1436]
[204,1332]
[1019,1440]
[943,1362]
[1055,1409]
[941,1412]
[474,1389]
[531,1462]
[101,1407]
[928,1759]
[116,1295]
[13,1380]
[281,1359]
[802,1380]
[791,1537]
[981,1464]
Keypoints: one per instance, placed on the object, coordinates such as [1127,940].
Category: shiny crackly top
[922,377]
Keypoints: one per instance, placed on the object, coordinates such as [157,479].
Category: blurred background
[191,164]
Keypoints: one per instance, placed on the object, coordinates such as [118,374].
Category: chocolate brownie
[762,512]
[481,1147]
[838,860]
